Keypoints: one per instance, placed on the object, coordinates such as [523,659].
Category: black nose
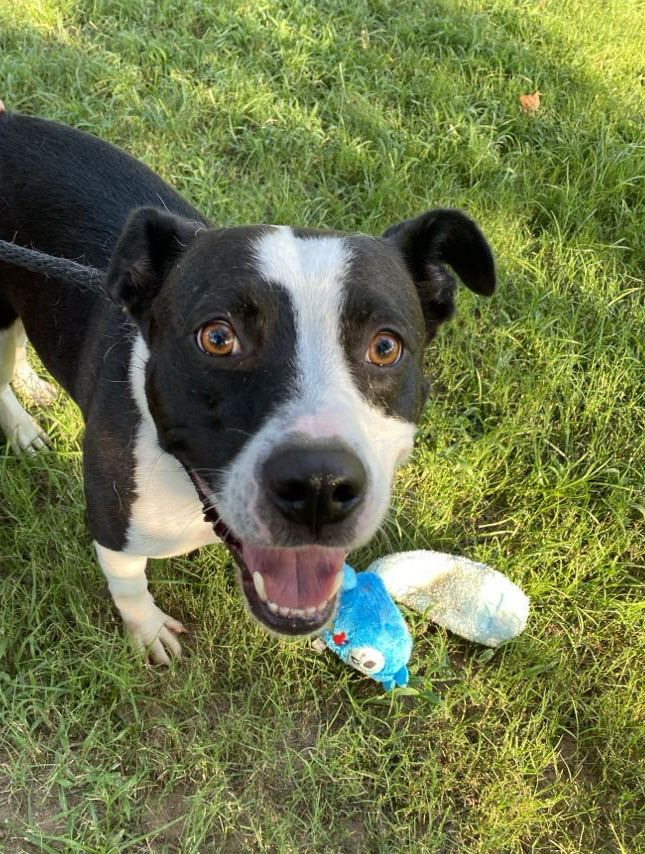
[315,486]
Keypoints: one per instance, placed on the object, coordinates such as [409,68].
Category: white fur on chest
[166,517]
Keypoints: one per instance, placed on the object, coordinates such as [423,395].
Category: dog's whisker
[238,430]
[206,471]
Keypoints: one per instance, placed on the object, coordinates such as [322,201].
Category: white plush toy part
[471,599]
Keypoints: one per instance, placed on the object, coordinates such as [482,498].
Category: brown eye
[385,349]
[217,338]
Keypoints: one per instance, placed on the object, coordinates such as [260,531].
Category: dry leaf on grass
[530,103]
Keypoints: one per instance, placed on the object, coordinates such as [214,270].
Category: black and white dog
[272,375]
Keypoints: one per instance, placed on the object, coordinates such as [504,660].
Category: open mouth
[291,591]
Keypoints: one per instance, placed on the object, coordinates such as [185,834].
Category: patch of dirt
[169,810]
[19,820]
[573,764]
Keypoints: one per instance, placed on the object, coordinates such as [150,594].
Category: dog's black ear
[434,239]
[149,245]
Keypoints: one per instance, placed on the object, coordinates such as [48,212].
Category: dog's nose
[315,486]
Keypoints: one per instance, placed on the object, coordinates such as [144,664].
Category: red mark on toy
[340,638]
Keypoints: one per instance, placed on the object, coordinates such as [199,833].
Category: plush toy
[369,632]
[471,599]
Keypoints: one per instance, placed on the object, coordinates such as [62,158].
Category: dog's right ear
[150,244]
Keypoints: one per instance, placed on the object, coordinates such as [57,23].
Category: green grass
[530,455]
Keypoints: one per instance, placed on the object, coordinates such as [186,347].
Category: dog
[256,385]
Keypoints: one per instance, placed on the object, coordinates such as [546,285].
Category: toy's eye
[385,350]
[367,659]
[218,338]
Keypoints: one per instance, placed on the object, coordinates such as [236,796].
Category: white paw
[155,633]
[22,432]
[32,388]
[28,438]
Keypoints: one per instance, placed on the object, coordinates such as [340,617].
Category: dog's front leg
[147,625]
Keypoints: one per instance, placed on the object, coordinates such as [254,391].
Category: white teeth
[288,612]
[258,581]
[337,582]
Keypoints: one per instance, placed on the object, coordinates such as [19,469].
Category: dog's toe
[175,626]
[39,443]
[157,654]
[169,640]
[28,438]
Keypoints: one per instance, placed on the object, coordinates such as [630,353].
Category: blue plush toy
[369,632]
[469,598]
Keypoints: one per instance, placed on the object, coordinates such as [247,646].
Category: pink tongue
[296,578]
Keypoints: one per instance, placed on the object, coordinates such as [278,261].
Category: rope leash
[50,265]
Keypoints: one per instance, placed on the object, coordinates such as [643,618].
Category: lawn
[530,454]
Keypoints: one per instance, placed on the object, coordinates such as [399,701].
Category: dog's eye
[218,338]
[385,349]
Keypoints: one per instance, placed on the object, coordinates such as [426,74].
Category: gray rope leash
[63,268]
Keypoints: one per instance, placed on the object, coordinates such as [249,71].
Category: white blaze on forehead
[312,270]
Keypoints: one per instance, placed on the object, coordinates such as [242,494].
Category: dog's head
[285,373]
